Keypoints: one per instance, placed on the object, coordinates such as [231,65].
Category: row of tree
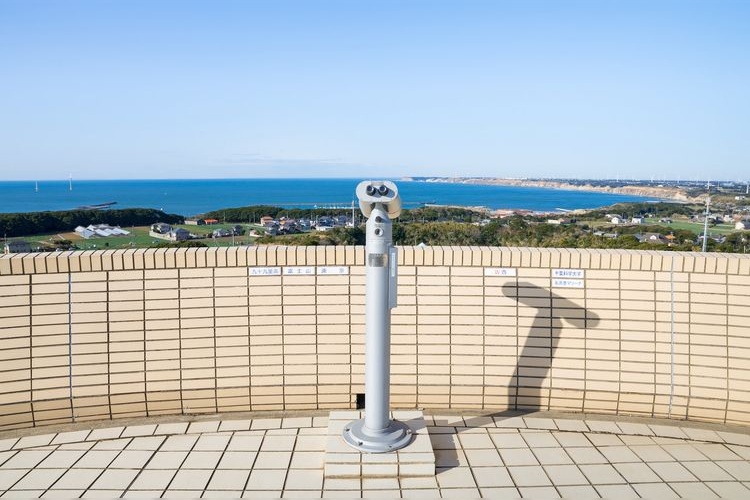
[31,223]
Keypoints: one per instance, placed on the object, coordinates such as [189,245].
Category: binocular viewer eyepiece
[385,193]
[371,190]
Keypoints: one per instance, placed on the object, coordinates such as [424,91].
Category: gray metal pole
[377,433]
[377,322]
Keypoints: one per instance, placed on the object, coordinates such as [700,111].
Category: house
[654,238]
[179,234]
[221,233]
[636,220]
[101,230]
[265,220]
[665,220]
[211,221]
[195,222]
[84,232]
[558,222]
[743,225]
[160,228]
[17,246]
[616,220]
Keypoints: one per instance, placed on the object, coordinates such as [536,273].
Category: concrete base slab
[342,461]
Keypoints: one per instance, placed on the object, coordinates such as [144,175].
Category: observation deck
[213,372]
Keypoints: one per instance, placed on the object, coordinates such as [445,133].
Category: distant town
[724,222]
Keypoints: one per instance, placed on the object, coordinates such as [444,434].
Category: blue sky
[160,89]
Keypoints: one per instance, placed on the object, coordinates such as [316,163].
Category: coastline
[661,192]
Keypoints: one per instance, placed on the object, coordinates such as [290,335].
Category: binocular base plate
[394,437]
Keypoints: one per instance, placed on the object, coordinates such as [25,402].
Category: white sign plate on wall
[567,283]
[296,271]
[333,270]
[499,271]
[264,271]
[568,273]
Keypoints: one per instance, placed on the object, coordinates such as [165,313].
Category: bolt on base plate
[394,437]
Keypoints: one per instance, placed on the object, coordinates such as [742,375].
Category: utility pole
[705,220]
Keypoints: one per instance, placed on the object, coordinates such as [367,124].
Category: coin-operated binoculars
[377,433]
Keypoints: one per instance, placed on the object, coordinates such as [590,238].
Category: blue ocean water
[194,196]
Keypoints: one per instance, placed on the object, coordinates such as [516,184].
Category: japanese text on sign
[265,271]
[336,270]
[499,271]
[567,283]
[294,271]
[568,273]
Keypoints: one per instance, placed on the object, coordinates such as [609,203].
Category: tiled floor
[536,456]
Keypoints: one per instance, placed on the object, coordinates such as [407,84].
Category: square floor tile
[672,471]
[538,492]
[692,490]
[77,479]
[153,480]
[115,479]
[586,455]
[266,479]
[500,492]
[476,441]
[307,460]
[601,474]
[304,479]
[483,458]
[654,490]
[518,456]
[716,451]
[179,443]
[172,428]
[532,475]
[107,433]
[740,470]
[272,460]
[684,452]
[233,480]
[202,460]
[96,459]
[39,479]
[618,454]
[61,459]
[26,459]
[457,477]
[245,443]
[190,479]
[637,473]
[278,443]
[552,456]
[167,460]
[565,475]
[203,426]
[539,439]
[212,442]
[729,489]
[578,491]
[616,491]
[131,459]
[237,460]
[651,453]
[145,443]
[487,477]
[707,471]
[505,440]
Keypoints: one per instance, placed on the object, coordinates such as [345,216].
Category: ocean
[195,196]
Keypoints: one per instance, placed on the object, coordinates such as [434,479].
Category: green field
[139,238]
[696,227]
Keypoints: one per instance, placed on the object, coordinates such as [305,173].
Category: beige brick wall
[107,334]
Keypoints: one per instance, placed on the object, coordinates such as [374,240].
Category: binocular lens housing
[371,190]
[383,190]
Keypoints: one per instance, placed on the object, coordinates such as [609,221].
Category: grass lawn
[696,227]
[139,238]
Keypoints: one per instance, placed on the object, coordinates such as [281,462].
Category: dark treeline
[31,223]
[517,232]
[254,213]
